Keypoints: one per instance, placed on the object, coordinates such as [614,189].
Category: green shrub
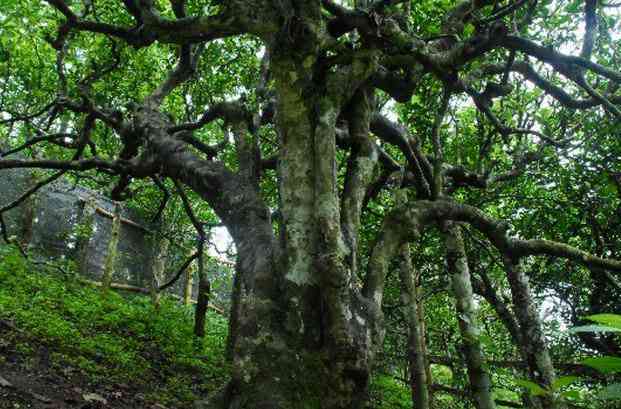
[388,393]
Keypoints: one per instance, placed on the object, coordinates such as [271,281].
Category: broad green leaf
[573,394]
[611,392]
[604,364]
[609,320]
[593,328]
[564,381]
[532,387]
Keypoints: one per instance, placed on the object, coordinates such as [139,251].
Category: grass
[112,339]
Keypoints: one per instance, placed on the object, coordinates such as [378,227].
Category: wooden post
[112,250]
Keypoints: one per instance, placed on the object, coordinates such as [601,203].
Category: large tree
[349,130]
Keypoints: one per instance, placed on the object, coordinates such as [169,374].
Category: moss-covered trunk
[304,335]
[533,344]
[419,382]
[480,383]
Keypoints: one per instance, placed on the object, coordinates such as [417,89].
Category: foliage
[607,365]
[387,393]
[531,157]
[114,338]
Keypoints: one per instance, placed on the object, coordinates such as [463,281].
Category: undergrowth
[123,339]
[111,339]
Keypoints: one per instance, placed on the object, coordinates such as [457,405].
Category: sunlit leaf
[573,394]
[532,387]
[604,364]
[593,328]
[564,381]
[609,320]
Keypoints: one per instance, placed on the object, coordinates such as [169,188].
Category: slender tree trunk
[423,331]
[485,288]
[27,217]
[480,384]
[533,343]
[188,285]
[113,244]
[416,355]
[158,270]
[204,290]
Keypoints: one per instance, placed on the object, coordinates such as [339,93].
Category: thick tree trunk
[305,334]
[480,384]
[416,355]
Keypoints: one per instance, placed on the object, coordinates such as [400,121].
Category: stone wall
[54,221]
[57,213]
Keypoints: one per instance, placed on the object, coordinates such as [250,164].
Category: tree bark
[204,291]
[533,343]
[158,271]
[480,384]
[419,382]
[188,285]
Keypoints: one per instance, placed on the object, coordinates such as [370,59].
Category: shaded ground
[31,382]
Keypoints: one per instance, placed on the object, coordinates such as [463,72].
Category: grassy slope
[108,340]
[120,340]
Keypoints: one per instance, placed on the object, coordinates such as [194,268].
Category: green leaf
[611,392]
[573,394]
[532,387]
[593,328]
[609,320]
[604,364]
[564,381]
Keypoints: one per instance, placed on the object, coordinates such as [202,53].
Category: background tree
[326,136]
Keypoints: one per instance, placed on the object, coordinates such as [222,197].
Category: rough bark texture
[457,262]
[303,328]
[416,352]
[533,343]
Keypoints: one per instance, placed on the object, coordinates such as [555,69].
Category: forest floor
[65,345]
[30,382]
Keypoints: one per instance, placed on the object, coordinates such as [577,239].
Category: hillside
[64,345]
